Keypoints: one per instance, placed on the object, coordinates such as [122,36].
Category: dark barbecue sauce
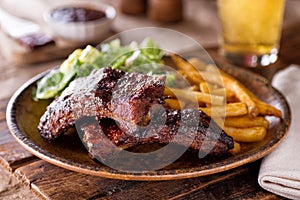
[76,14]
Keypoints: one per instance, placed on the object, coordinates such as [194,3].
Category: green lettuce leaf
[52,84]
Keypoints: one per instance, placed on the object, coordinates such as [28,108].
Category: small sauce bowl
[80,21]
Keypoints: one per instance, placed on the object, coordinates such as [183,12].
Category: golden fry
[232,99]
[239,90]
[229,110]
[267,109]
[222,91]
[168,92]
[187,69]
[204,87]
[194,96]
[233,88]
[192,78]
[260,106]
[197,63]
[263,108]
[241,111]
[253,134]
[174,104]
[246,122]
[211,77]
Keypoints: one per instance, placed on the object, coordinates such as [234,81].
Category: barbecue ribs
[128,107]
[106,93]
[99,137]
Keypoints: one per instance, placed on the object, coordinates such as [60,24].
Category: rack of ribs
[105,93]
[102,138]
[122,103]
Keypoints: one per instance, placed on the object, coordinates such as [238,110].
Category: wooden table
[50,182]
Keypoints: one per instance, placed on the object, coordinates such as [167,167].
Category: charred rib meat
[106,93]
[98,137]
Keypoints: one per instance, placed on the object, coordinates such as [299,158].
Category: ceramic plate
[23,115]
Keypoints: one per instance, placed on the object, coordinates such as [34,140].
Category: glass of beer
[251,30]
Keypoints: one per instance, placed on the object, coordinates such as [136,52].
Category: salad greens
[145,57]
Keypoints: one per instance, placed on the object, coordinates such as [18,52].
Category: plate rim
[138,176]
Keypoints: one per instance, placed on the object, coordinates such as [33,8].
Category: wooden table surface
[50,182]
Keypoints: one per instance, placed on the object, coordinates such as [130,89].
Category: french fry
[267,109]
[236,148]
[191,88]
[183,64]
[246,122]
[192,78]
[207,76]
[253,134]
[210,87]
[232,86]
[187,69]
[240,92]
[194,96]
[169,92]
[230,110]
[232,99]
[215,90]
[174,104]
[222,91]
[197,63]
[211,77]
[262,107]
[204,87]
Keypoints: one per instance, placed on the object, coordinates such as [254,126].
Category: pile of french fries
[232,106]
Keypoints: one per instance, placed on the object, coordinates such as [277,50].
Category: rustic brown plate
[23,115]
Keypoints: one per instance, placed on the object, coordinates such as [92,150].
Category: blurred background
[23,57]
